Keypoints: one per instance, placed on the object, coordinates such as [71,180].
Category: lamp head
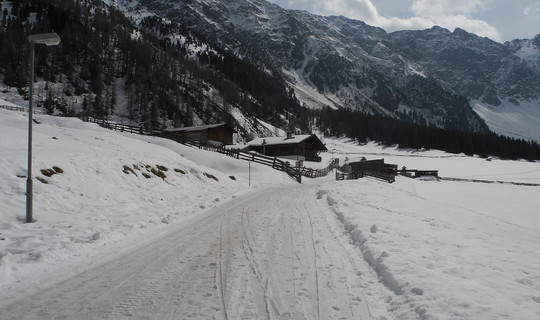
[48,39]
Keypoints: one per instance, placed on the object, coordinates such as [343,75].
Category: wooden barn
[295,147]
[374,166]
[213,134]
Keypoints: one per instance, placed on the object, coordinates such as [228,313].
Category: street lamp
[48,39]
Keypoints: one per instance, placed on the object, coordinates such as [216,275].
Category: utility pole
[48,39]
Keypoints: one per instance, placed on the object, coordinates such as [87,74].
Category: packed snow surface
[140,227]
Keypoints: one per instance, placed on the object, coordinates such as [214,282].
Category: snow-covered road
[274,254]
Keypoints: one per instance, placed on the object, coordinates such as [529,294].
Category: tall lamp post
[48,39]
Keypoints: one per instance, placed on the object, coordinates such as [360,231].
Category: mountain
[149,71]
[250,64]
[502,81]
[431,76]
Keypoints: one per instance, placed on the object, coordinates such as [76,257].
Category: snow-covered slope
[108,189]
[414,249]
[518,121]
[526,49]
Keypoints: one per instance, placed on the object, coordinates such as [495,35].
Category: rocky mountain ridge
[432,76]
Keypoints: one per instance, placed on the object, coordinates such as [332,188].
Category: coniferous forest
[408,135]
[102,53]
[164,82]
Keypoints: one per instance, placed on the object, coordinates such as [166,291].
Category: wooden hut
[295,147]
[377,165]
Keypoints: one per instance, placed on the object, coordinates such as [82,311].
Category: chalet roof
[199,128]
[259,142]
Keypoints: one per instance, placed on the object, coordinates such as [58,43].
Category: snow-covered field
[216,240]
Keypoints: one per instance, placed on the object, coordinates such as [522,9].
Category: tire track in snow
[220,281]
[150,280]
[349,254]
[315,265]
[162,291]
[385,276]
[263,262]
[248,252]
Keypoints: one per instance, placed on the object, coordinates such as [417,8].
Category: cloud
[532,9]
[447,7]
[449,14]
[349,8]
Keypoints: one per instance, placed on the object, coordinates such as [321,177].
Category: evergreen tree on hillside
[162,84]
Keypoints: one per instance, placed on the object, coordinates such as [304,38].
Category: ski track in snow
[246,259]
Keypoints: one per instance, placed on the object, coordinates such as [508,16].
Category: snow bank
[447,250]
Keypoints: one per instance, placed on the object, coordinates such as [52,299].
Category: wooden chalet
[377,165]
[213,134]
[373,168]
[295,147]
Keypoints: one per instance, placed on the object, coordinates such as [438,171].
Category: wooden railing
[17,108]
[234,153]
[418,173]
[491,181]
[273,162]
[363,173]
[317,173]
[120,126]
[381,175]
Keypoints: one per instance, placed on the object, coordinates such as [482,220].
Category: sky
[499,20]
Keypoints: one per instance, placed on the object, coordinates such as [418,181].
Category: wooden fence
[418,173]
[491,181]
[120,126]
[365,173]
[295,173]
[273,162]
[317,173]
[17,108]
[234,153]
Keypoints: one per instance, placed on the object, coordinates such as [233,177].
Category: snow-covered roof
[295,139]
[277,140]
[198,128]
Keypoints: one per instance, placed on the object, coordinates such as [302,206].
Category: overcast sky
[500,20]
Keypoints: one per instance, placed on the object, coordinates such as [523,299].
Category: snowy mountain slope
[351,64]
[519,121]
[131,246]
[152,72]
[343,60]
[503,78]
[526,49]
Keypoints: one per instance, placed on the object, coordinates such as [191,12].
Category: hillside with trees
[104,60]
[159,74]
